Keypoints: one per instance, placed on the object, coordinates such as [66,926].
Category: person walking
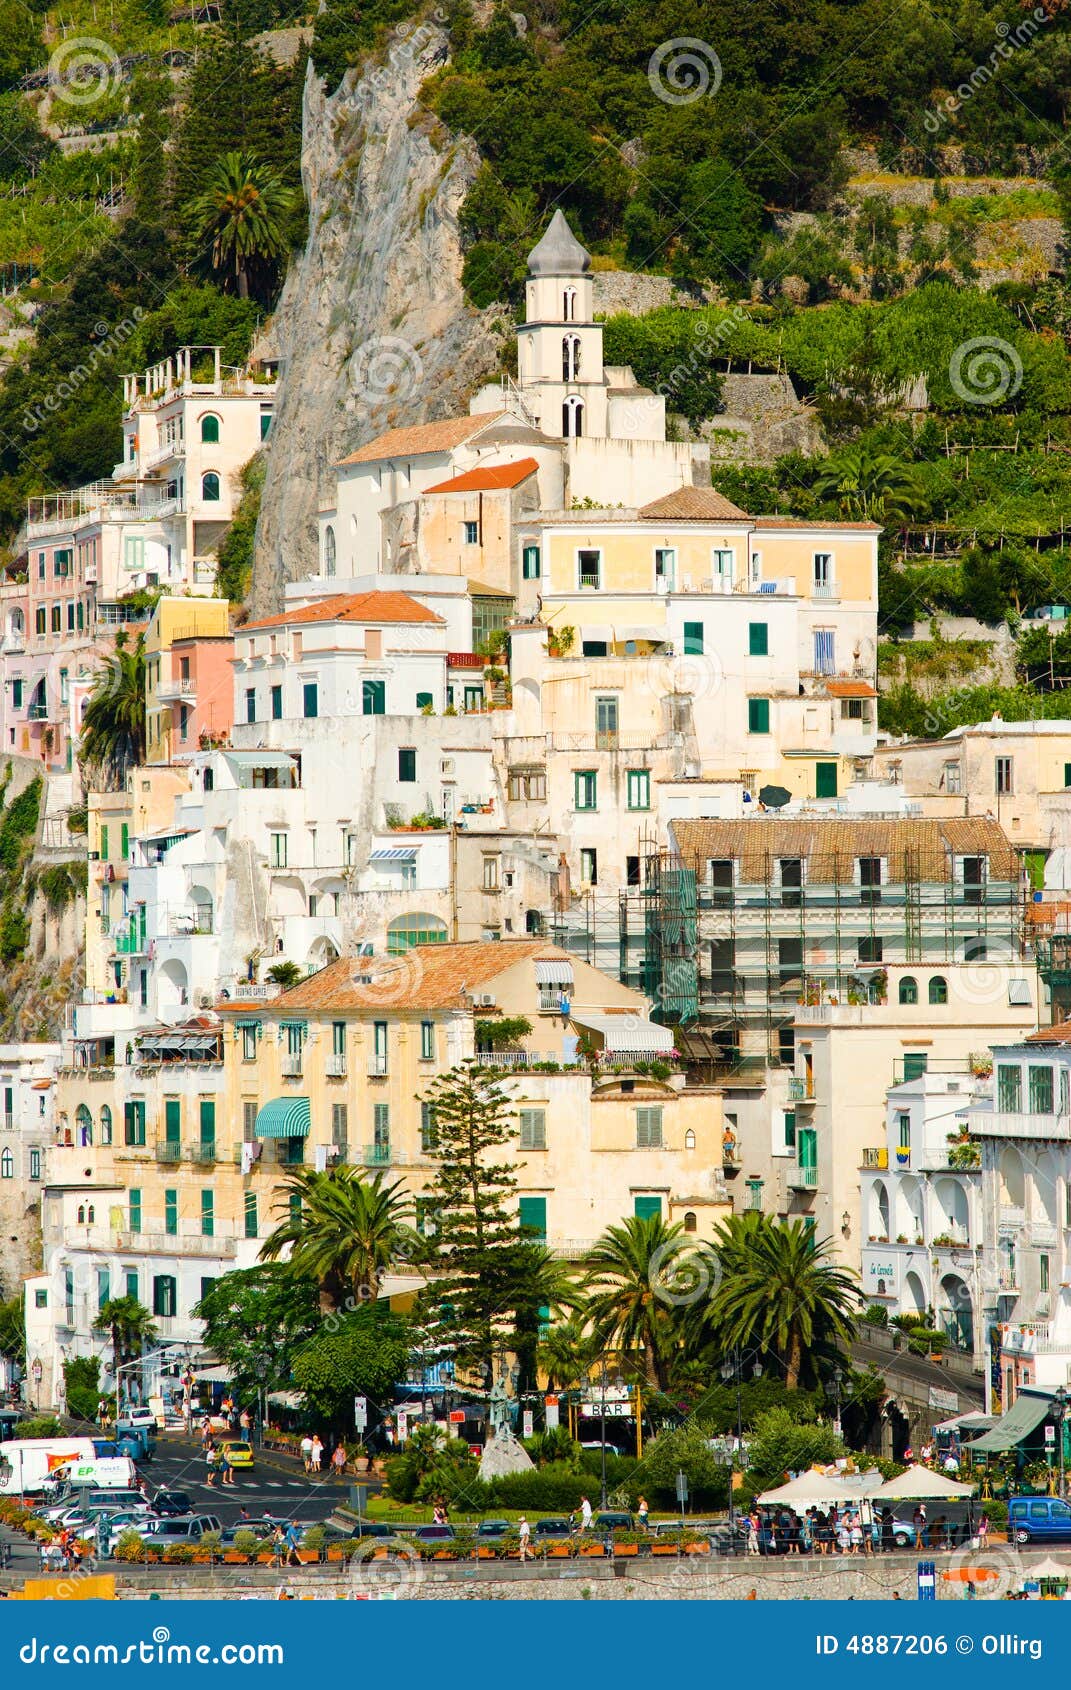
[642,1513]
[278,1547]
[524,1533]
[306,1452]
[983,1531]
[227,1466]
[211,1463]
[292,1557]
[316,1452]
[245,1423]
[338,1460]
[585,1514]
[753,1532]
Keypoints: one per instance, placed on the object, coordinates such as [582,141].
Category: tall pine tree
[476,1253]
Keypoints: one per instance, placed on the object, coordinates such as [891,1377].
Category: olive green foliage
[18,824]
[687,1449]
[235,557]
[81,1379]
[784,1440]
[345,33]
[61,884]
[360,1354]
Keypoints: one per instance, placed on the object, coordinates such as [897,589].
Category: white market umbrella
[1048,1569]
[919,1484]
[813,1486]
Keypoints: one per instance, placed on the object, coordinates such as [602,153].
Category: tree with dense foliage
[362,1354]
[341,1229]
[130,1327]
[13,1329]
[788,1439]
[113,724]
[874,486]
[255,1321]
[239,221]
[566,1351]
[81,1386]
[630,1297]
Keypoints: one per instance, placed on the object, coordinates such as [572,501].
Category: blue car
[1037,1519]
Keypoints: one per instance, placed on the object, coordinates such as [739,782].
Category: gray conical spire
[559,253]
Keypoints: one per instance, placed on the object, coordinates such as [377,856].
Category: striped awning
[626,1032]
[394,854]
[554,972]
[284,1117]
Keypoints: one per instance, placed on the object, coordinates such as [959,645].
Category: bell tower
[559,347]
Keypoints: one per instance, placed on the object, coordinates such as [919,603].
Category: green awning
[1023,1417]
[284,1117]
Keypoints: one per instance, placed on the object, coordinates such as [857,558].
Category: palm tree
[566,1352]
[875,486]
[239,221]
[781,1292]
[113,725]
[342,1231]
[540,1285]
[130,1327]
[627,1277]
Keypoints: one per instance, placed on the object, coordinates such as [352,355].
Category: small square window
[471,532]
[758,639]
[758,715]
[407,763]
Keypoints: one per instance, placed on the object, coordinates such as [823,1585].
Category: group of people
[312,1455]
[843,1531]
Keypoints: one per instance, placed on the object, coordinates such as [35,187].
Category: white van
[104,1473]
[27,1464]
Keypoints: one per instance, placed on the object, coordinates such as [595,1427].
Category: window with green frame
[373,698]
[208,1214]
[207,1115]
[647,1208]
[251,1230]
[649,1126]
[428,1135]
[405,931]
[533,1216]
[171,1211]
[172,1120]
[530,568]
[638,789]
[758,715]
[1041,1090]
[693,639]
[1009,1088]
[134,1121]
[427,1041]
[133,1200]
[585,789]
[758,639]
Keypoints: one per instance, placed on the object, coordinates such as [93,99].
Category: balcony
[169,1151]
[377,1156]
[377,1066]
[154,1243]
[335,1067]
[801,1178]
[825,590]
[291,1067]
[203,1152]
[875,1156]
[1008,1280]
[1011,1215]
[1043,1234]
[1005,1123]
[129,944]
[183,687]
[801,1091]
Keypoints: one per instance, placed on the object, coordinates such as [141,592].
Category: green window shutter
[373,698]
[276,704]
[758,639]
[428,1137]
[533,1216]
[693,639]
[825,780]
[104,844]
[758,715]
[310,693]
[648,1208]
[124,841]
[172,1120]
[649,1127]
[1067,774]
[807,1147]
[133,1198]
[790,1128]
[915,1064]
[1009,1089]
[208,1120]
[208,1214]
[171,1211]
[251,1214]
[530,565]
[407,763]
[533,1129]
[425,700]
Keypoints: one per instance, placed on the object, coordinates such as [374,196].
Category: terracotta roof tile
[351,607]
[426,977]
[488,478]
[819,524]
[850,689]
[422,437]
[915,848]
[1058,1035]
[693,504]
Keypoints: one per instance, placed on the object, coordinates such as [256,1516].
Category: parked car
[493,1528]
[136,1417]
[187,1528]
[261,1529]
[555,1525]
[611,1521]
[171,1503]
[239,1454]
[1033,1519]
[434,1534]
[87,1501]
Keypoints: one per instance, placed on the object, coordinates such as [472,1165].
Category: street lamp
[733,1368]
[37,1370]
[1059,1403]
[838,1381]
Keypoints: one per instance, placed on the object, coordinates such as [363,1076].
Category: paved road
[275,1485]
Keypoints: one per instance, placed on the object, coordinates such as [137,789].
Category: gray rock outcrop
[372,330]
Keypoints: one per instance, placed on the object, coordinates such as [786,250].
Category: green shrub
[877,1314]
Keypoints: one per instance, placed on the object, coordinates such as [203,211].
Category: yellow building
[189,688]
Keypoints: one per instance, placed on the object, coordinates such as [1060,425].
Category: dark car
[169,1504]
[493,1528]
[613,1522]
[261,1529]
[369,1528]
[434,1534]
[188,1528]
[553,1526]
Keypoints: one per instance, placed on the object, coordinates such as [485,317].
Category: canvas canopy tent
[815,1486]
[1048,1569]
[1023,1417]
[918,1484]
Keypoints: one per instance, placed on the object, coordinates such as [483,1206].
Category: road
[275,1485]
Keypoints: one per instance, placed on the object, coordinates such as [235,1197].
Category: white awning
[554,972]
[394,854]
[649,632]
[597,633]
[627,1032]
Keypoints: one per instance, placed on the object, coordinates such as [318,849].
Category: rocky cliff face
[372,330]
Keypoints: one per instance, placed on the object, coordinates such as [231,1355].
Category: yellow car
[238,1454]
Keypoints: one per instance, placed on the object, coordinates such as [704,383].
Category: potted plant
[243,1551]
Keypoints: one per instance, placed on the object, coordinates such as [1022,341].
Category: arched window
[571,358]
[209,780]
[81,1214]
[105,1125]
[83,1121]
[569,305]
[909,991]
[938,989]
[690,1222]
[91,1215]
[210,430]
[42,620]
[405,931]
[7,1165]
[329,550]
[573,418]
[689,1140]
[210,487]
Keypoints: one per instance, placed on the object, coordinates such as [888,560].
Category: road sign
[927,1581]
[529,1423]
[457,1417]
[1050,1434]
[552,1419]
[360,1413]
[682,1487]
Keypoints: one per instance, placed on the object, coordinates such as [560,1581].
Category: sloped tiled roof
[1058,1035]
[818,524]
[915,848]
[850,689]
[426,977]
[351,607]
[422,437]
[489,478]
[693,504]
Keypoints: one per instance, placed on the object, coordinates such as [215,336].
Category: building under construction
[740,922]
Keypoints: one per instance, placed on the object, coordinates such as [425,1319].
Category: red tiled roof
[421,438]
[425,977]
[488,479]
[819,524]
[693,504]
[1058,1035]
[850,689]
[351,607]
